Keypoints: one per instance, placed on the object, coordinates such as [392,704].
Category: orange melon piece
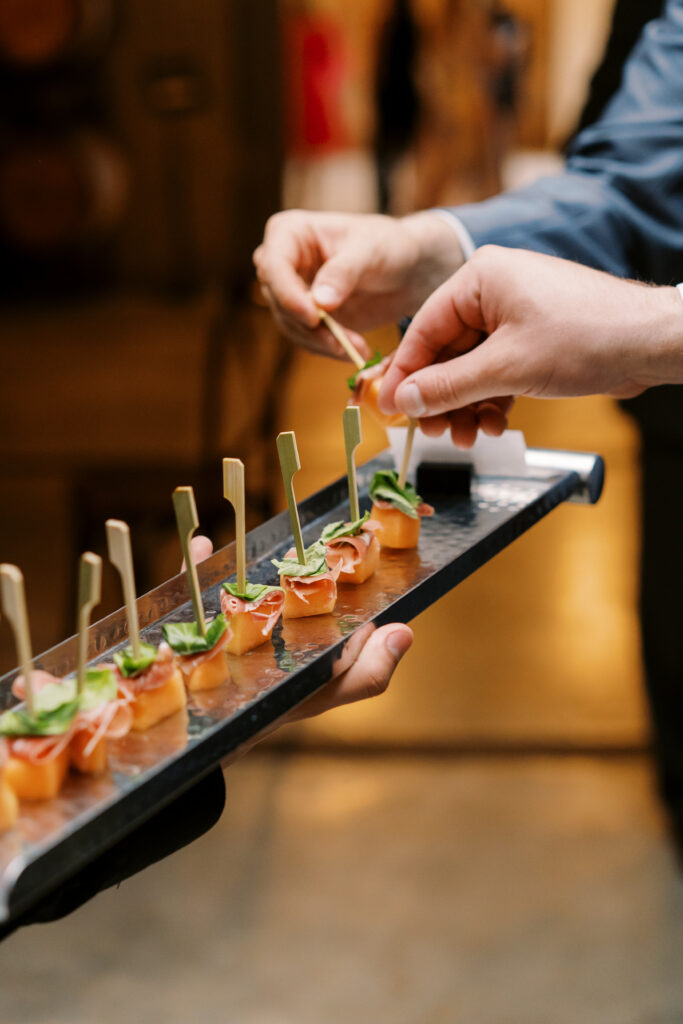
[368,397]
[247,633]
[92,763]
[395,529]
[365,567]
[9,806]
[209,674]
[151,706]
[322,597]
[37,781]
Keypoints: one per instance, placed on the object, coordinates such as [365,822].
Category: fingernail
[325,295]
[409,400]
[397,643]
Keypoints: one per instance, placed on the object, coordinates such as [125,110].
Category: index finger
[277,261]
[438,331]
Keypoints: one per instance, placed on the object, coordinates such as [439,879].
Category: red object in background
[315,69]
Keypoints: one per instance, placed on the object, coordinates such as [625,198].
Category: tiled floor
[384,891]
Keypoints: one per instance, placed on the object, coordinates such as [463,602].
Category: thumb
[442,387]
[338,277]
[200,548]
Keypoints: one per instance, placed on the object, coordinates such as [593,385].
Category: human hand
[513,322]
[364,669]
[367,269]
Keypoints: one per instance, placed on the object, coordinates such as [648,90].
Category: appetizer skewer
[40,733]
[352,544]
[309,583]
[397,507]
[251,609]
[148,675]
[199,646]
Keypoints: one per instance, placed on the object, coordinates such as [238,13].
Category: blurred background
[484,842]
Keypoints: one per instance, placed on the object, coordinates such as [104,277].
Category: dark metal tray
[52,841]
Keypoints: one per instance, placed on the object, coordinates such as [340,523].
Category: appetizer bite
[39,737]
[200,645]
[148,677]
[353,547]
[252,609]
[200,655]
[310,585]
[152,683]
[365,384]
[396,510]
[104,713]
[9,804]
[251,614]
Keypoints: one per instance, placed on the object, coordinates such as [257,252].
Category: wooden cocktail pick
[14,606]
[290,464]
[342,337]
[233,490]
[89,595]
[352,438]
[187,519]
[407,451]
[121,556]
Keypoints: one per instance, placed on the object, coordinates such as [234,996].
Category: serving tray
[55,839]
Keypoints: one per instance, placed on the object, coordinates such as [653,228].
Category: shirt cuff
[680,290]
[462,234]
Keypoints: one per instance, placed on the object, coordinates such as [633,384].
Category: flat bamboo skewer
[14,606]
[290,464]
[352,438]
[342,337]
[233,491]
[121,556]
[407,451]
[89,595]
[187,519]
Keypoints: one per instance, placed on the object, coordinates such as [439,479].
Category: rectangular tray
[52,841]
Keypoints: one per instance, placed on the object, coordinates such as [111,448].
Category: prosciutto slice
[39,679]
[190,662]
[363,378]
[40,749]
[158,673]
[265,610]
[422,510]
[349,551]
[305,586]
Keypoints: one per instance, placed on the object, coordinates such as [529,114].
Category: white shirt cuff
[462,234]
[680,290]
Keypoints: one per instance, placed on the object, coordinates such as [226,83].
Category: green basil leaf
[129,666]
[55,707]
[251,592]
[99,687]
[185,638]
[373,361]
[314,565]
[384,487]
[335,530]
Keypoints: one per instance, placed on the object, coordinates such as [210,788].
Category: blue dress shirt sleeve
[619,204]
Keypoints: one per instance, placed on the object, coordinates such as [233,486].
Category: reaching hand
[366,268]
[513,322]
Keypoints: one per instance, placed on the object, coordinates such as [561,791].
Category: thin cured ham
[365,387]
[157,691]
[309,593]
[94,727]
[39,755]
[357,554]
[251,620]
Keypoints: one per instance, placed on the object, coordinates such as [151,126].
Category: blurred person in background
[618,207]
